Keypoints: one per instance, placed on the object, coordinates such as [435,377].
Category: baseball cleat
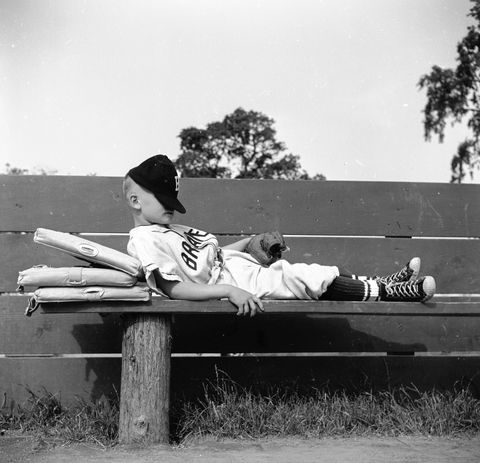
[417,290]
[408,273]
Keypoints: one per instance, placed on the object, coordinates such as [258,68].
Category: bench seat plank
[161,305]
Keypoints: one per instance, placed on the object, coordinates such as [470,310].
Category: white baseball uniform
[182,253]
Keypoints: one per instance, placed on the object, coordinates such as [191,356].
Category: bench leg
[145,384]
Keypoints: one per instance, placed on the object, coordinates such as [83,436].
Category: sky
[97,86]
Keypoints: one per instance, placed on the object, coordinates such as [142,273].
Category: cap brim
[170,203]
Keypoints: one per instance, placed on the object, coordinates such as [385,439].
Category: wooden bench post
[145,386]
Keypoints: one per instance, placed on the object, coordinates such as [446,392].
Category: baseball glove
[267,247]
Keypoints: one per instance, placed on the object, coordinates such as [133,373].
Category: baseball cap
[159,176]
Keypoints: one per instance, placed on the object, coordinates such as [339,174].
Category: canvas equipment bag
[88,250]
[86,294]
[42,275]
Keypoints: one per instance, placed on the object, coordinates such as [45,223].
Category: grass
[45,417]
[227,410]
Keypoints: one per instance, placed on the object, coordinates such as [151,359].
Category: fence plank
[51,334]
[92,378]
[454,263]
[352,208]
[425,330]
[67,378]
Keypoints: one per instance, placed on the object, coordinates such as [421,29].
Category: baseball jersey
[182,253]
[178,252]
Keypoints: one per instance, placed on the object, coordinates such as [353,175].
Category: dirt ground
[23,449]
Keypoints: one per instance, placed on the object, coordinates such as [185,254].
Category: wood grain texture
[294,207]
[145,384]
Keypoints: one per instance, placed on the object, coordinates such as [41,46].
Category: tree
[12,170]
[242,145]
[454,95]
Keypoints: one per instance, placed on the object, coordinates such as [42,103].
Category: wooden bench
[368,227]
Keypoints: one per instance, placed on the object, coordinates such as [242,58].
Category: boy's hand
[246,302]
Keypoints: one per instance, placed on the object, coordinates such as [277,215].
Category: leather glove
[267,247]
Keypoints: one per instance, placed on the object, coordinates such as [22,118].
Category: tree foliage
[453,95]
[13,170]
[242,145]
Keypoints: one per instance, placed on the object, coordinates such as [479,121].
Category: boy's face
[152,211]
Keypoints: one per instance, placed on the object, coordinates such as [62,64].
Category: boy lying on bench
[186,263]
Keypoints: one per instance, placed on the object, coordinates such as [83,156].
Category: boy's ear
[133,201]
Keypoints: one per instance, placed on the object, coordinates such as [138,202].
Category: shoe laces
[410,289]
[397,277]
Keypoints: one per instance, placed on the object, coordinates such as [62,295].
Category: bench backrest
[366,227]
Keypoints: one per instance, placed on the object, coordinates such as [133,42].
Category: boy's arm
[238,245]
[246,302]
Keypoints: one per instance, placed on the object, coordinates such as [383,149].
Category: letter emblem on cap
[177,182]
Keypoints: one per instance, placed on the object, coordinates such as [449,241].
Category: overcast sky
[100,85]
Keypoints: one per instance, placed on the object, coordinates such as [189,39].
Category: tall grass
[227,410]
[44,416]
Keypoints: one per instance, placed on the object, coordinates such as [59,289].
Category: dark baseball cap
[159,176]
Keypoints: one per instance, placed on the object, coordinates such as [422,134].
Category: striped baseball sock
[353,276]
[349,289]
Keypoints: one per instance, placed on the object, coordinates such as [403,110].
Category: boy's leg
[345,288]
[408,273]
[349,289]
[283,280]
